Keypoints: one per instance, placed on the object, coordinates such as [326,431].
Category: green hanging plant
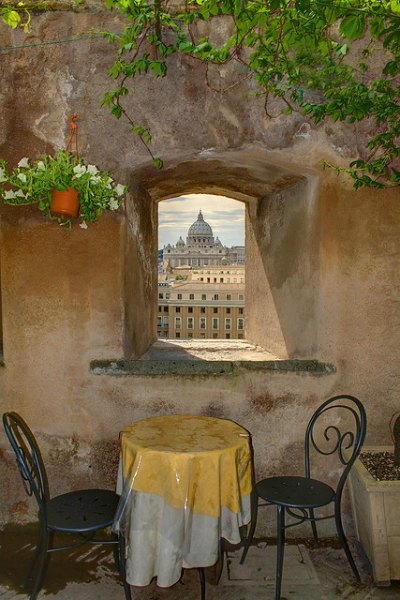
[35,182]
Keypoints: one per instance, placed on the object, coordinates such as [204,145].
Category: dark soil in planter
[381,465]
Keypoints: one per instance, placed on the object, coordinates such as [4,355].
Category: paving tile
[259,566]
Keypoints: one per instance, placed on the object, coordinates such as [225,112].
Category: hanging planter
[64,204]
[62,186]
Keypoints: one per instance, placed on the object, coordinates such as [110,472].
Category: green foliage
[32,183]
[11,16]
[319,58]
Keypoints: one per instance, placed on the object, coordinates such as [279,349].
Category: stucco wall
[329,255]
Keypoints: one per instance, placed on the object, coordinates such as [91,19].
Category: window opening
[201,241]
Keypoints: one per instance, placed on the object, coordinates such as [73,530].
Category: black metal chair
[300,496]
[82,513]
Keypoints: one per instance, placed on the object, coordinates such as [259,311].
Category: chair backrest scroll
[343,432]
[28,457]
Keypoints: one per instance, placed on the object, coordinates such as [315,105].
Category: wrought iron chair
[81,513]
[300,496]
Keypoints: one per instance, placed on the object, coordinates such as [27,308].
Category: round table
[185,483]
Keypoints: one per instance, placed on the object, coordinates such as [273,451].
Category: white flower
[9,195]
[40,165]
[24,162]
[113,204]
[120,189]
[95,178]
[79,170]
[3,176]
[20,194]
[92,169]
[22,177]
[83,225]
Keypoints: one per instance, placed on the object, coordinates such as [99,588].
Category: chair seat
[296,492]
[82,511]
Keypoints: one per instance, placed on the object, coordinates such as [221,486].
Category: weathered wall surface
[326,262]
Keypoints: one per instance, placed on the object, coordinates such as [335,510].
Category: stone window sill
[206,357]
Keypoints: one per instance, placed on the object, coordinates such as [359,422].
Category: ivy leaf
[352,27]
[392,68]
[159,68]
[377,26]
[138,129]
[116,111]
[396,175]
[158,163]
[10,17]
[147,136]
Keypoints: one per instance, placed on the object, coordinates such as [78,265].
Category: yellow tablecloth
[185,482]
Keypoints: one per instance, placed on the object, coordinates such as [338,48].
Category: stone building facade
[201,311]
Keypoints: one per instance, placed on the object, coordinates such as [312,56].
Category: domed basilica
[201,249]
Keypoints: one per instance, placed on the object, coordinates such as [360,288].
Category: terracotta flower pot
[64,204]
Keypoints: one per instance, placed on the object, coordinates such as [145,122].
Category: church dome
[200,227]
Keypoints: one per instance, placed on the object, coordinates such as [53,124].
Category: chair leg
[280,548]
[343,540]
[43,557]
[313,525]
[253,523]
[122,570]
[202,583]
[34,559]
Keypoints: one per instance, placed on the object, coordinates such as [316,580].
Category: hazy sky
[176,215]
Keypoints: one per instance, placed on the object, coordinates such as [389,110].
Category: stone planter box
[376,511]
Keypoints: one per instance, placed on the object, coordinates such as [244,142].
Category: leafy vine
[317,57]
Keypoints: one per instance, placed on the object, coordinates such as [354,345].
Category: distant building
[201,249]
[202,311]
[228,274]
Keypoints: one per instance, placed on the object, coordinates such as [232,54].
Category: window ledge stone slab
[143,368]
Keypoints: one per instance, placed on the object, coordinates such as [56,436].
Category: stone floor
[207,350]
[310,573]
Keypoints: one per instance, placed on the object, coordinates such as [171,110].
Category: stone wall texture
[325,281]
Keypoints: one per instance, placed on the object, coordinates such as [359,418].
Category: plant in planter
[375,496]
[62,186]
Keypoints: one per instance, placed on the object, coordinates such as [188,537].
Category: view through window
[201,268]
